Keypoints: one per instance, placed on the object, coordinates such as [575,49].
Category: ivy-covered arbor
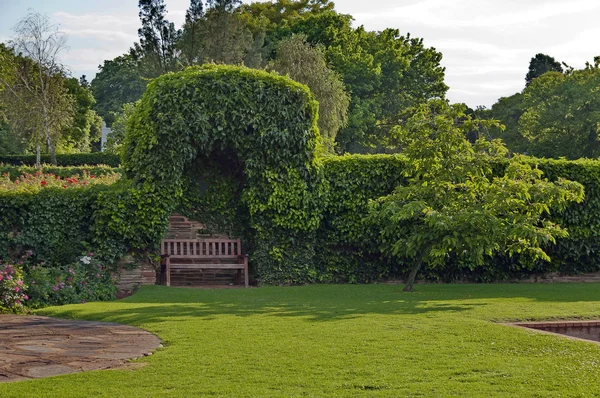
[217,135]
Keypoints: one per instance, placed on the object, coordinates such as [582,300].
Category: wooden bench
[203,253]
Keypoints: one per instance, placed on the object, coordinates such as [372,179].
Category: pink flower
[97,275]
[26,297]
[55,288]
[17,288]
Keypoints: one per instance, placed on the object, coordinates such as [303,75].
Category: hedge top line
[71,159]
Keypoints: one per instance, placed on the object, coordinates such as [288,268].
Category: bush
[57,218]
[61,171]
[12,289]
[71,159]
[86,279]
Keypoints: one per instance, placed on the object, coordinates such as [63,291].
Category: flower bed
[39,180]
[26,283]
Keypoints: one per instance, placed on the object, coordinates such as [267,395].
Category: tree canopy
[452,204]
[541,64]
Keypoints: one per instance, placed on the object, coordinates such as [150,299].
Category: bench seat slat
[177,250]
[206,266]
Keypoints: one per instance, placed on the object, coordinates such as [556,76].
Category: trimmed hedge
[349,249]
[60,171]
[260,128]
[57,224]
[71,159]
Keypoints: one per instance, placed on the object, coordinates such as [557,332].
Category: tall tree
[562,115]
[221,35]
[117,83]
[189,43]
[156,52]
[36,39]
[306,64]
[87,125]
[452,206]
[540,64]
[385,72]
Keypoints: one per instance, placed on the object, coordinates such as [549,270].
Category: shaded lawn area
[343,340]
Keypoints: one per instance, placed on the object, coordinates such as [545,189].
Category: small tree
[453,205]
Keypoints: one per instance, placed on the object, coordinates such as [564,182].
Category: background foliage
[72,159]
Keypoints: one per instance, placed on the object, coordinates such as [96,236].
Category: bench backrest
[201,248]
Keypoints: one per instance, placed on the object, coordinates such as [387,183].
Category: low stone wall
[130,279]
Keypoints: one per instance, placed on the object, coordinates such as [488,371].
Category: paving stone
[49,370]
[35,346]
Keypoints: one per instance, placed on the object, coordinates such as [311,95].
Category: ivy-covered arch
[267,123]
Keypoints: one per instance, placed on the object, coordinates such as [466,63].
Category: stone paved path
[37,346]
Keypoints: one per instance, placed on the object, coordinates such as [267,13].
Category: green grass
[345,340]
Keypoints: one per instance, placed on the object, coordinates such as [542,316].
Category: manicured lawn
[347,340]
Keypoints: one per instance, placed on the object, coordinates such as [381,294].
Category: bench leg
[246,276]
[238,277]
[168,271]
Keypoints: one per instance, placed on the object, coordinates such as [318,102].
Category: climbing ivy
[261,125]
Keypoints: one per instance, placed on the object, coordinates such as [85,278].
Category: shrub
[12,288]
[86,279]
[59,219]
[62,171]
[35,182]
[72,159]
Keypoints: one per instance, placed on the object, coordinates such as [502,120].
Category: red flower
[43,182]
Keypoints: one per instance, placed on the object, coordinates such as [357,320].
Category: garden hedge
[349,245]
[260,130]
[58,225]
[71,159]
[239,150]
[63,172]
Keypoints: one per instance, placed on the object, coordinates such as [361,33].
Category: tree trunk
[53,154]
[413,273]
[38,156]
[51,148]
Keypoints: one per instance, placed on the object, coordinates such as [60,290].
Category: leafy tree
[508,111]
[10,143]
[271,16]
[220,35]
[541,64]
[39,82]
[117,83]
[87,125]
[562,115]
[385,72]
[306,64]
[116,137]
[189,43]
[156,52]
[452,206]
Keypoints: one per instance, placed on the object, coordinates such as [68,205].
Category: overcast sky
[486,44]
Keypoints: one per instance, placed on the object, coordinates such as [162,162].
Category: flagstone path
[36,346]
